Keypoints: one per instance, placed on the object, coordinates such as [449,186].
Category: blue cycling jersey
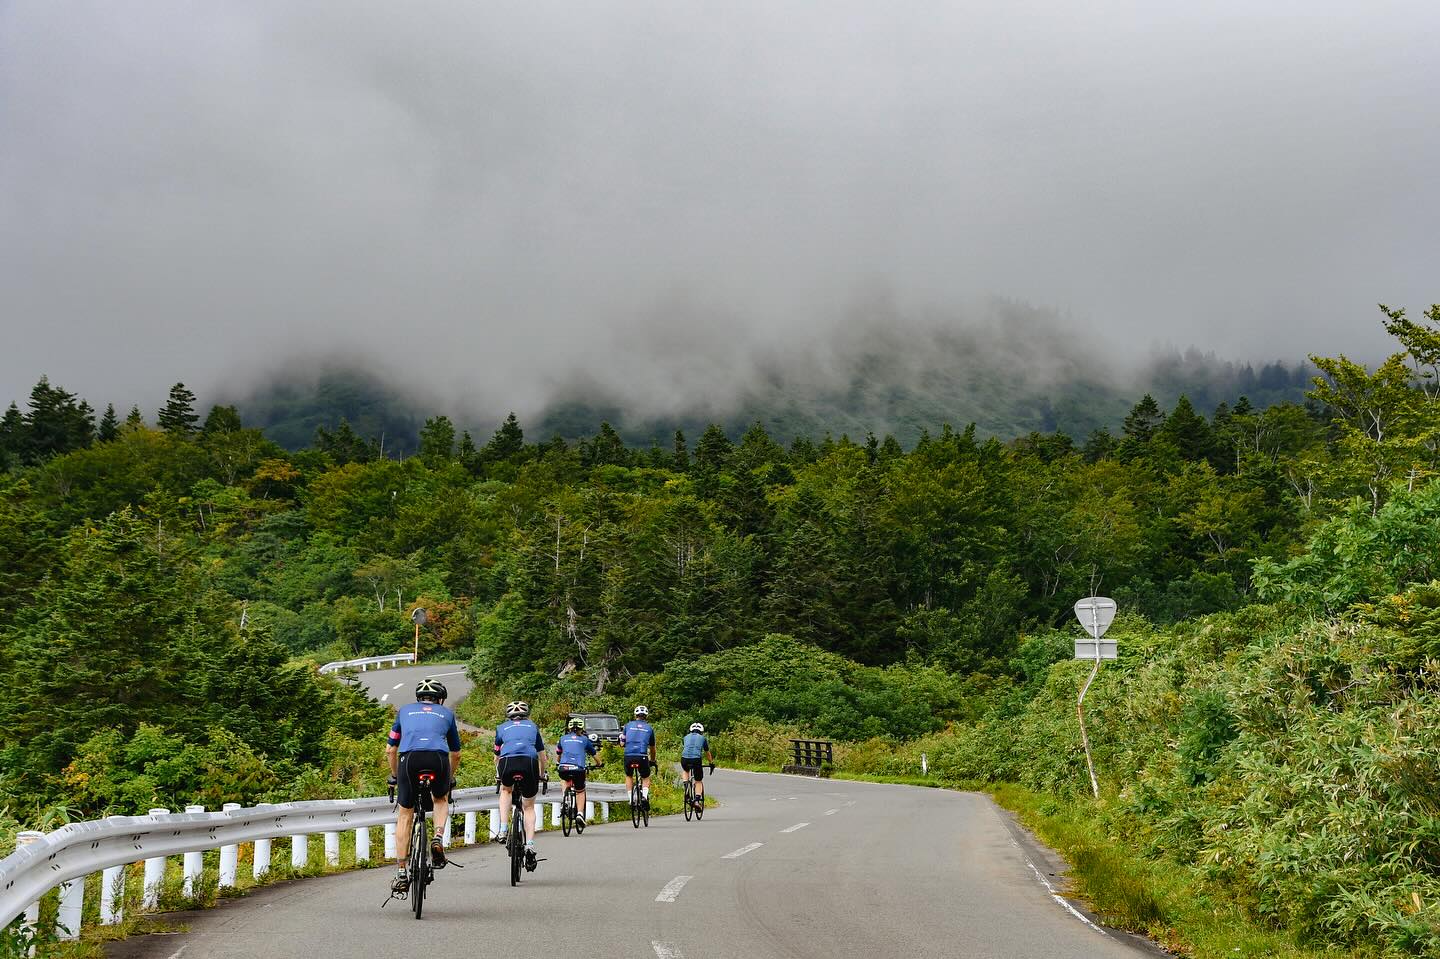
[425,726]
[638,737]
[574,748]
[695,746]
[518,737]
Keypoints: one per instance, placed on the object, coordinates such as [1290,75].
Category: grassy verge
[1167,901]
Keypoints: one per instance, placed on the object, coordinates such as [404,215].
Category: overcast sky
[488,195]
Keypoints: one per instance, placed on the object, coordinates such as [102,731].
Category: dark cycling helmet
[431,689]
[517,710]
[575,723]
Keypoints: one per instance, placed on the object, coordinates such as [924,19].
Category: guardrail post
[492,819]
[194,862]
[332,849]
[554,814]
[262,859]
[445,832]
[299,850]
[154,872]
[389,841]
[469,829]
[589,809]
[112,895]
[229,856]
[32,911]
[604,812]
[362,844]
[72,907]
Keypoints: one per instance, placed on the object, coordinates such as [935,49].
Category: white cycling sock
[645,792]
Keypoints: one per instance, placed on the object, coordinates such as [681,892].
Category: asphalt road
[397,686]
[784,867]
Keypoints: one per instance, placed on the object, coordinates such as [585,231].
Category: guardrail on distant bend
[364,664]
[66,856]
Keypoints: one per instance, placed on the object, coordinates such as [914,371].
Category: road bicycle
[691,809]
[639,809]
[569,809]
[515,842]
[417,860]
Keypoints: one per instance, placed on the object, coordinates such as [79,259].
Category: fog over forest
[666,205]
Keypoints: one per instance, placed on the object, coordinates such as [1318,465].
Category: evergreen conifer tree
[437,440]
[1143,420]
[109,424]
[135,420]
[1188,431]
[178,416]
[680,454]
[714,449]
[508,443]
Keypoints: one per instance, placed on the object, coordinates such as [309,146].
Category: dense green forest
[170,581]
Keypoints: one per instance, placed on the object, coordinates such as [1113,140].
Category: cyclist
[424,738]
[519,747]
[638,737]
[696,746]
[572,753]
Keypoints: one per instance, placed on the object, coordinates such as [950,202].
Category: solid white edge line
[666,950]
[1050,888]
[742,851]
[798,825]
[672,889]
[458,672]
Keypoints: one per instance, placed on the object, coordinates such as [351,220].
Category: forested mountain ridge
[1021,374]
[167,590]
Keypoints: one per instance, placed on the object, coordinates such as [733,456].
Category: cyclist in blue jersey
[638,738]
[694,752]
[519,748]
[424,738]
[572,753]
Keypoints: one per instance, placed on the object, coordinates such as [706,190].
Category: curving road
[784,867]
[397,686]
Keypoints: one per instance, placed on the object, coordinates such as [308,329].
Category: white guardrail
[63,858]
[393,659]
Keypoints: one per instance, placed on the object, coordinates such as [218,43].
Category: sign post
[1095,614]
[418,618]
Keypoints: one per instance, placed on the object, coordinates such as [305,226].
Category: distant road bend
[784,867]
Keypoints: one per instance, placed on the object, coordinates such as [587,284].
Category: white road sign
[1095,613]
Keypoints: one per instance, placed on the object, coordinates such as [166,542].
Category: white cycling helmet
[517,710]
[697,728]
[641,711]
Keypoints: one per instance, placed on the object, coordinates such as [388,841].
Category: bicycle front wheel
[419,862]
[517,844]
[635,807]
[689,800]
[567,812]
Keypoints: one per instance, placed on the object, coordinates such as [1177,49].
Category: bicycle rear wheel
[419,861]
[517,842]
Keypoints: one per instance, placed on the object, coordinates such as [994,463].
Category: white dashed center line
[831,812]
[798,825]
[672,888]
[742,851]
[397,685]
[666,950]
[458,672]
[385,697]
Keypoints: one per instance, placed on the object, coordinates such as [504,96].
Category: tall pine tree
[178,416]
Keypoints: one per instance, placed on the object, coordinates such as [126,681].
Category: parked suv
[605,726]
